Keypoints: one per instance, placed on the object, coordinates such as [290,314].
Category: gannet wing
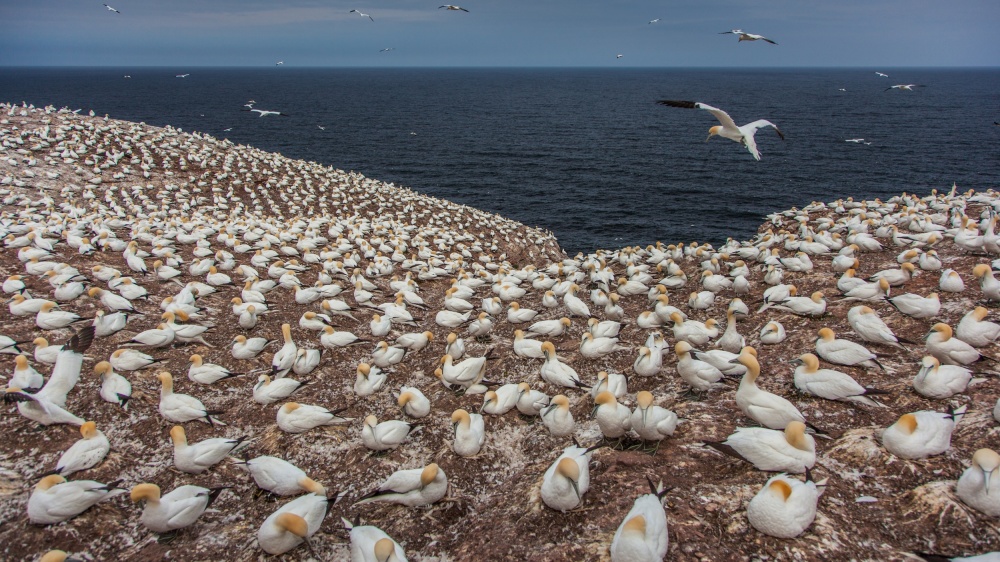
[751,128]
[722,116]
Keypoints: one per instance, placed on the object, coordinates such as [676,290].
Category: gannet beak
[708,138]
[593,413]
[986,484]
[576,488]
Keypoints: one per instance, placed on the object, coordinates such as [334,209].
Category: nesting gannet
[975,330]
[614,419]
[784,507]
[867,324]
[813,305]
[469,432]
[268,391]
[592,347]
[360,14]
[556,372]
[468,374]
[182,408]
[744,36]
[500,401]
[175,510]
[649,421]
[935,380]
[530,402]
[413,402]
[371,544]
[412,488]
[293,523]
[791,450]
[386,435]
[642,535]
[131,360]
[979,485]
[567,479]
[700,375]
[743,135]
[921,434]
[830,384]
[550,328]
[199,457]
[55,500]
[297,418]
[279,476]
[916,305]
[772,333]
[85,453]
[557,417]
[25,376]
[767,409]
[844,352]
[284,359]
[949,350]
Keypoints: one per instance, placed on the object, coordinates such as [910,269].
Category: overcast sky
[872,33]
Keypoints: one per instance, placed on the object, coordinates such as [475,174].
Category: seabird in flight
[362,15]
[743,135]
[182,76]
[907,87]
[452,7]
[386,50]
[744,36]
[654,21]
[265,113]
[881,74]
[110,9]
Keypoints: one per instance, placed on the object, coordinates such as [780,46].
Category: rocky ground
[493,511]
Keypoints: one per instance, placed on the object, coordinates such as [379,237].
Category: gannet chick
[792,450]
[949,350]
[830,384]
[935,380]
[470,433]
[55,500]
[557,418]
[784,507]
[650,421]
[199,457]
[182,408]
[386,435]
[500,401]
[280,477]
[413,402]
[86,453]
[556,372]
[844,352]
[248,348]
[175,510]
[268,391]
[530,402]
[979,485]
[642,535]
[567,479]
[412,488]
[921,434]
[975,330]
[772,333]
[613,418]
[371,544]
[870,327]
[767,409]
[298,418]
[614,383]
[293,523]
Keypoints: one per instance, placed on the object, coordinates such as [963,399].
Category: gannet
[469,433]
[371,544]
[86,453]
[182,408]
[784,507]
[867,324]
[25,376]
[386,435]
[413,402]
[700,375]
[207,373]
[907,87]
[649,421]
[284,359]
[451,7]
[131,360]
[935,380]
[921,434]
[979,485]
[412,488]
[830,384]
[567,479]
[642,535]
[975,330]
[772,333]
[199,457]
[279,476]
[530,402]
[767,409]
[556,372]
[791,450]
[500,401]
[297,418]
[265,113]
[175,510]
[917,306]
[360,14]
[55,500]
[844,352]
[110,9]
[744,36]
[550,328]
[557,417]
[949,350]
[47,406]
[468,374]
[813,305]
[613,419]
[743,135]
[293,523]
[614,383]
[454,346]
[592,347]
[248,348]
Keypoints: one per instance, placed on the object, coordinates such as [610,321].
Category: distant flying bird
[654,21]
[842,89]
[386,50]
[451,7]
[907,87]
[127,76]
[881,74]
[110,9]
[362,15]
[182,76]
[279,62]
[743,135]
[744,36]
[321,127]
[227,130]
[265,113]
[619,56]
[854,140]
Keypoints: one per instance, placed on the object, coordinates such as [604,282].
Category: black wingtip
[679,103]
[80,342]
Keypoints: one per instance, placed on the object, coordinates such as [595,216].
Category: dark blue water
[584,153]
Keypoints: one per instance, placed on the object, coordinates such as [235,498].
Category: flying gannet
[743,135]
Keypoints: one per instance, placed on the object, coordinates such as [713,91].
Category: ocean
[584,153]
